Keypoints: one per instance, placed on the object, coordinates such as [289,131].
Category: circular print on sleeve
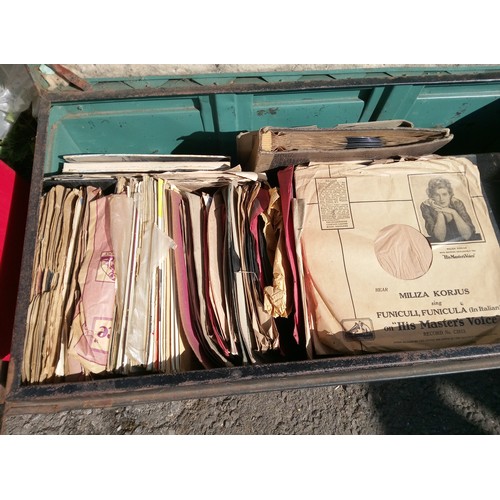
[403,252]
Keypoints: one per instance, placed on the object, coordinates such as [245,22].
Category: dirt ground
[459,404]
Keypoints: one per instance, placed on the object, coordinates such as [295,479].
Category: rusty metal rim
[345,83]
[122,391]
[23,294]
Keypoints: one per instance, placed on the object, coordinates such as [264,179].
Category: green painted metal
[317,75]
[203,114]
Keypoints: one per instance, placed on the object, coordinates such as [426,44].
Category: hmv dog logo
[358,329]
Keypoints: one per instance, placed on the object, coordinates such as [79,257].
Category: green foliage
[18,147]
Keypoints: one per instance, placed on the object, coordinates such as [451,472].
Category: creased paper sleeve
[378,275]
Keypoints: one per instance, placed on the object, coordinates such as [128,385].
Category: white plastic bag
[16,94]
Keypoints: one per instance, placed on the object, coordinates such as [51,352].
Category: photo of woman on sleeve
[446,218]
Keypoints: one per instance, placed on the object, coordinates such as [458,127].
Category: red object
[14,194]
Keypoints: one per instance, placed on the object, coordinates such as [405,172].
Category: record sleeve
[397,255]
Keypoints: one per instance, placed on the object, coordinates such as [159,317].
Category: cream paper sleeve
[373,278]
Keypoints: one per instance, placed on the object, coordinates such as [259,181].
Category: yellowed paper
[92,327]
[262,321]
[215,271]
[354,301]
[278,298]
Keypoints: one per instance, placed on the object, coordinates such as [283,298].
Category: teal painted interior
[205,123]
